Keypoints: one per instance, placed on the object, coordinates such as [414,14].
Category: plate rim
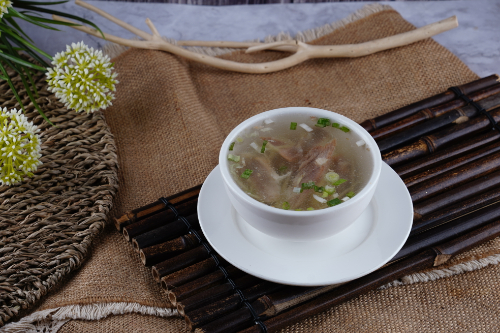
[387,171]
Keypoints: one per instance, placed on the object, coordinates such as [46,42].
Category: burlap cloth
[169,120]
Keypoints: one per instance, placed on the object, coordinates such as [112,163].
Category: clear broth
[293,157]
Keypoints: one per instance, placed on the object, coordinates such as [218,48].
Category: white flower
[19,147]
[4,7]
[82,78]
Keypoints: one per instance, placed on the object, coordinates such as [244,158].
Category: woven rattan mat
[48,222]
[169,119]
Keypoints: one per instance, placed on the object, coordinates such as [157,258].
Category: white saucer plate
[369,243]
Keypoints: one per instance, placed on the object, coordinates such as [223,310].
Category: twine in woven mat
[169,120]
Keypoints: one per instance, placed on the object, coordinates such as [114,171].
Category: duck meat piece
[313,168]
[289,151]
[264,180]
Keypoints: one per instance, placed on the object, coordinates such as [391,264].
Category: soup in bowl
[299,173]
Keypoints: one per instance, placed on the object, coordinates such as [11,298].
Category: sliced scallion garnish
[325,194]
[318,189]
[306,127]
[232,145]
[334,202]
[246,174]
[344,129]
[310,208]
[329,189]
[263,149]
[319,199]
[307,186]
[323,122]
[332,176]
[350,194]
[285,206]
[336,125]
[293,126]
[340,181]
[234,158]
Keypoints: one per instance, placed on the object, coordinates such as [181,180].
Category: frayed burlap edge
[437,274]
[114,50]
[51,320]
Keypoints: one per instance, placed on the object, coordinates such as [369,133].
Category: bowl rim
[352,125]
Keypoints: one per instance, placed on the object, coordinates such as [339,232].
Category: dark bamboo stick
[190,273]
[157,253]
[448,154]
[217,277]
[401,113]
[454,164]
[138,214]
[448,231]
[212,311]
[154,208]
[466,242]
[455,177]
[459,194]
[426,259]
[452,212]
[457,116]
[155,221]
[432,112]
[179,262]
[445,137]
[215,293]
[164,233]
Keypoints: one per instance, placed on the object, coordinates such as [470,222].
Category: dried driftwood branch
[301,51]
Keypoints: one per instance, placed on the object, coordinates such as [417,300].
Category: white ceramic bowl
[300,225]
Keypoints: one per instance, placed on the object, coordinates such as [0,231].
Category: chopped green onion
[320,125]
[340,181]
[263,149]
[239,139]
[310,208]
[350,194]
[285,206]
[344,129]
[293,126]
[234,158]
[318,189]
[324,122]
[246,174]
[306,127]
[307,186]
[334,202]
[325,194]
[332,176]
[336,125]
[231,145]
[329,189]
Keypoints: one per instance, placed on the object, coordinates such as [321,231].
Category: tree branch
[302,51]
